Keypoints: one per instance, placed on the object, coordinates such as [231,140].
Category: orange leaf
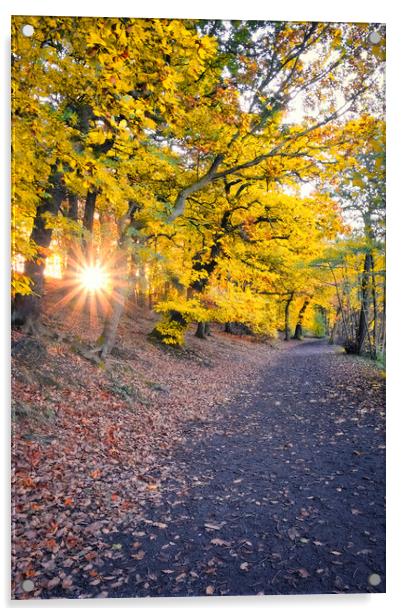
[95,474]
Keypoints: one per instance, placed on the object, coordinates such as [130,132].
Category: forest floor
[231,468]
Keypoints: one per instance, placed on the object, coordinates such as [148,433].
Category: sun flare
[94,278]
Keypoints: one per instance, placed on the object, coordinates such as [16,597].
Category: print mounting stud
[28,585]
[374,38]
[28,30]
[374,579]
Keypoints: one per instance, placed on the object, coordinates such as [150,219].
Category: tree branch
[206,179]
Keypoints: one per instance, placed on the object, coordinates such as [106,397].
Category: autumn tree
[361,191]
[188,141]
[258,144]
[92,88]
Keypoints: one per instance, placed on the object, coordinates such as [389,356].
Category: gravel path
[284,493]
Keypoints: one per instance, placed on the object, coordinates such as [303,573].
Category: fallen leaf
[209,590]
[53,582]
[157,524]
[152,487]
[214,526]
[219,542]
[67,582]
[293,533]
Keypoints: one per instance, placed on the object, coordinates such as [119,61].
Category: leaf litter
[85,456]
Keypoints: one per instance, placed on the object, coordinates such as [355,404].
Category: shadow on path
[285,496]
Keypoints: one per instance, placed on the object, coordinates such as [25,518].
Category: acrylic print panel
[198,307]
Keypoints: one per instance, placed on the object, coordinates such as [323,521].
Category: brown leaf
[139,556]
[220,542]
[209,590]
[53,582]
[67,582]
[214,526]
[152,523]
[152,487]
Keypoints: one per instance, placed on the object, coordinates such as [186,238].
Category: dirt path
[284,495]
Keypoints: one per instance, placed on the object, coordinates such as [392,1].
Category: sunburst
[91,283]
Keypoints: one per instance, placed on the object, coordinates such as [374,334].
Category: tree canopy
[210,165]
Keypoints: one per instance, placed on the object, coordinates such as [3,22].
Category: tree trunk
[362,329]
[72,206]
[383,324]
[172,328]
[88,220]
[108,337]
[117,302]
[27,308]
[298,335]
[203,330]
[375,312]
[287,308]
[141,287]
[72,214]
[334,327]
[204,269]
[121,287]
